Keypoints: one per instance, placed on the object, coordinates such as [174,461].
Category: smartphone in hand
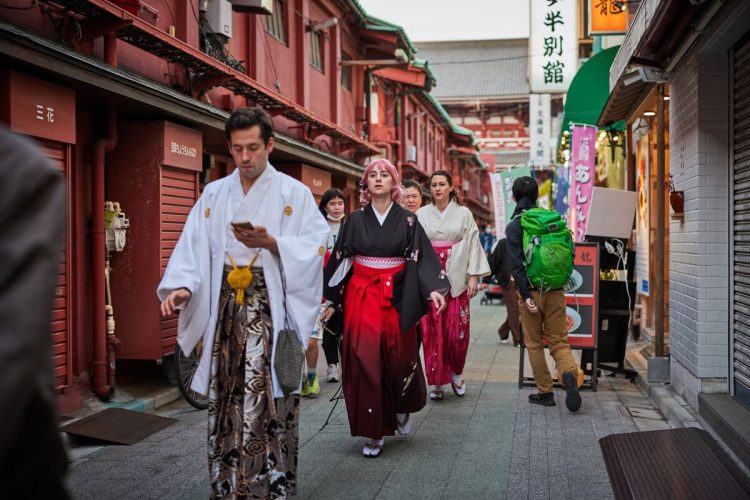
[243,225]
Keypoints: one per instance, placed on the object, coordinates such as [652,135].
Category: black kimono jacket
[401,235]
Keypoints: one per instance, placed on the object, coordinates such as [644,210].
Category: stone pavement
[490,444]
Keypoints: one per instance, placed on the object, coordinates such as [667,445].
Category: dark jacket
[32,218]
[500,264]
[514,237]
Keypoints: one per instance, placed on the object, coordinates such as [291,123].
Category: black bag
[290,355]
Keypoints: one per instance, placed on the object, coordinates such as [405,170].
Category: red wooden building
[129,99]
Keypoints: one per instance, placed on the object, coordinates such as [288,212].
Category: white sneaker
[333,373]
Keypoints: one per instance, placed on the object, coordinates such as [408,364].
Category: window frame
[312,37]
[273,23]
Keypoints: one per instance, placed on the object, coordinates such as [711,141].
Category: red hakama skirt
[446,335]
[382,372]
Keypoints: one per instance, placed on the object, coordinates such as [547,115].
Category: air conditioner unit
[219,17]
[411,153]
[263,7]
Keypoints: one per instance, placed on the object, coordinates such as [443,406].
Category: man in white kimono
[265,229]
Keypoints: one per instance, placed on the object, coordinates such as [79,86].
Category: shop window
[346,72]
[276,23]
[316,50]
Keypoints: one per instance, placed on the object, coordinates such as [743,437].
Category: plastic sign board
[582,297]
[507,178]
[553,45]
[607,18]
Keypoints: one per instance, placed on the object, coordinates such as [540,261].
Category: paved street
[490,444]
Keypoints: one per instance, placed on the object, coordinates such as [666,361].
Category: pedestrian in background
[32,221]
[412,199]
[542,312]
[500,269]
[390,275]
[248,265]
[455,237]
[332,207]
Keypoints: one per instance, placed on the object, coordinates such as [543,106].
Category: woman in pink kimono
[455,237]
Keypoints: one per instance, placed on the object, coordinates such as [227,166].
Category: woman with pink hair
[385,275]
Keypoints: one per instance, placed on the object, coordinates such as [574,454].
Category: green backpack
[548,249]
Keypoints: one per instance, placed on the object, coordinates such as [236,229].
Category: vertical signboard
[581,297]
[607,17]
[497,203]
[642,221]
[539,129]
[507,179]
[561,198]
[553,45]
[582,173]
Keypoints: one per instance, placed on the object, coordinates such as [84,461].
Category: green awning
[589,90]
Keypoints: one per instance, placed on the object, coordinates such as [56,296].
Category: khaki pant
[550,324]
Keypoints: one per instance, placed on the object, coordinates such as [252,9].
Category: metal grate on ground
[118,425]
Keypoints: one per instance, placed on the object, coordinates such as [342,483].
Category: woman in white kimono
[455,238]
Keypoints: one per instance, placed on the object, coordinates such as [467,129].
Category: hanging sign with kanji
[607,17]
[553,45]
[539,130]
[582,174]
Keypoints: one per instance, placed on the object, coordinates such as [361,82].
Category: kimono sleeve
[189,257]
[478,265]
[302,250]
[423,275]
[339,263]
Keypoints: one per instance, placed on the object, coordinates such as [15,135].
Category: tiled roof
[477,69]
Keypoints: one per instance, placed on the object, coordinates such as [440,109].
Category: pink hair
[396,193]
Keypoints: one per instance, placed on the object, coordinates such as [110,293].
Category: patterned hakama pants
[252,437]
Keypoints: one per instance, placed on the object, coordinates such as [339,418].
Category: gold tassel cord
[240,279]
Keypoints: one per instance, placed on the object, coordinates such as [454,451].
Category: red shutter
[178,195]
[58,155]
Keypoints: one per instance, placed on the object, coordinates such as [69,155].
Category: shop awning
[589,91]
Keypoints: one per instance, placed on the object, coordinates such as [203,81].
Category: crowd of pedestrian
[395,274]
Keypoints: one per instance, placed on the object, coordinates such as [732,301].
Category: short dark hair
[525,187]
[329,195]
[411,183]
[245,118]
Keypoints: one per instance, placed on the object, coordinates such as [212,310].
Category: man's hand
[257,237]
[473,286]
[438,301]
[174,300]
[531,307]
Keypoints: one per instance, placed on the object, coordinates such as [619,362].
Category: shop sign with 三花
[553,45]
[607,17]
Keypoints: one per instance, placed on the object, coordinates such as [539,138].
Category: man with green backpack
[541,253]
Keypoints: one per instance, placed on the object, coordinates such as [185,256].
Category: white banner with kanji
[553,45]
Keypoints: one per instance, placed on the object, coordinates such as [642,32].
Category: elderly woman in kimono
[384,269]
[455,238]
[248,258]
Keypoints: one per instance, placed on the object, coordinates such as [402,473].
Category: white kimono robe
[286,208]
[466,258]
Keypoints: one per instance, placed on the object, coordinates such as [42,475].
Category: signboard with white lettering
[183,147]
[582,176]
[37,108]
[539,130]
[553,45]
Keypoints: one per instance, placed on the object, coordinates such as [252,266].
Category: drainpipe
[102,146]
[660,237]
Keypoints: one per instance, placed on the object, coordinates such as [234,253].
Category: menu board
[581,297]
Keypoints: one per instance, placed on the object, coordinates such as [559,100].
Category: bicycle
[185,367]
